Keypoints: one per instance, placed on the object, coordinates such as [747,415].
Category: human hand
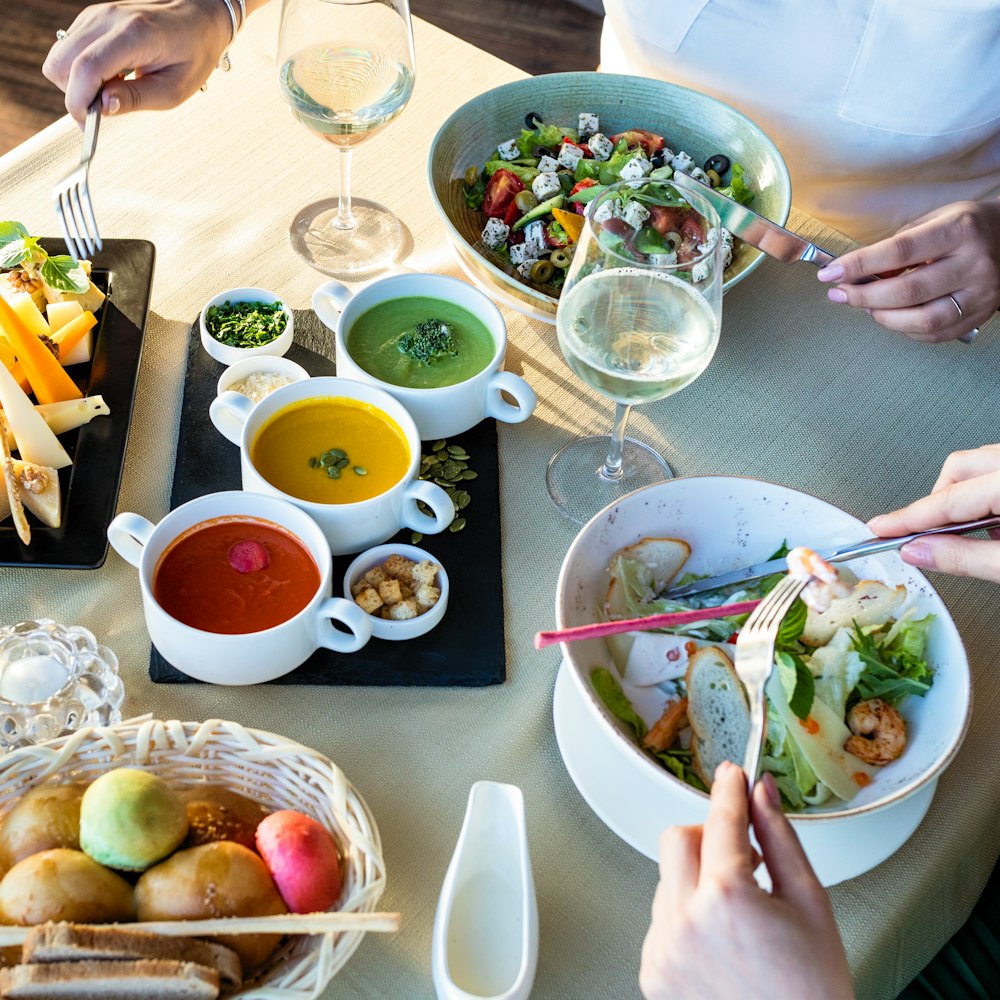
[967,488]
[172,46]
[716,933]
[952,251]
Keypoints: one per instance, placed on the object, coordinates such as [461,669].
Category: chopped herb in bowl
[246,324]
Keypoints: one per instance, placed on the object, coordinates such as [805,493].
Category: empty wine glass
[638,319]
[345,67]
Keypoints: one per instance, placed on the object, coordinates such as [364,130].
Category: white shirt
[882,109]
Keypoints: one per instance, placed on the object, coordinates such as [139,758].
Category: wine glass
[345,67]
[638,319]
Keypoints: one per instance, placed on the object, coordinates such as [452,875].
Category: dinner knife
[754,229]
[766,235]
[841,553]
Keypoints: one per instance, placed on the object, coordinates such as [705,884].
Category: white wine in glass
[638,320]
[345,68]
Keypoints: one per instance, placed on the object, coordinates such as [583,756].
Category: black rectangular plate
[467,648]
[123,270]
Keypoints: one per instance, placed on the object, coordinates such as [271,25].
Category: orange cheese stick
[48,378]
[69,335]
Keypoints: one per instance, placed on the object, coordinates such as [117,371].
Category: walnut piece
[34,480]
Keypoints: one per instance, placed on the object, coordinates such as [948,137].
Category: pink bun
[302,858]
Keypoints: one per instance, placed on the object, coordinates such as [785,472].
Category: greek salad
[534,189]
[833,700]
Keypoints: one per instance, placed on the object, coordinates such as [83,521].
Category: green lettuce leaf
[616,701]
[737,188]
[525,174]
[797,682]
[893,673]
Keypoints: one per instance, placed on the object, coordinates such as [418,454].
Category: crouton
[368,600]
[375,576]
[399,568]
[391,591]
[425,572]
[403,610]
[426,596]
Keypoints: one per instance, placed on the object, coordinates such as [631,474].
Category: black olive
[657,159]
[718,163]
[540,151]
[529,119]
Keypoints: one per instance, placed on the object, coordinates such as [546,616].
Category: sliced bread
[155,979]
[79,942]
[871,602]
[717,712]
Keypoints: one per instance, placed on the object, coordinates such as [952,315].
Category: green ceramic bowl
[696,123]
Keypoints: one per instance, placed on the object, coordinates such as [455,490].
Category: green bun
[130,819]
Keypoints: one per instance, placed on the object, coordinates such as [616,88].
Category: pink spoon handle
[598,630]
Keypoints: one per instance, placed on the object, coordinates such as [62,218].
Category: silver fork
[72,195]
[755,661]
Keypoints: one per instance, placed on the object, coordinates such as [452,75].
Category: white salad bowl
[730,522]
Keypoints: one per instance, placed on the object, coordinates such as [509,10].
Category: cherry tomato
[650,141]
[499,194]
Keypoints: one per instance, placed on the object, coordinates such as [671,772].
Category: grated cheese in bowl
[257,385]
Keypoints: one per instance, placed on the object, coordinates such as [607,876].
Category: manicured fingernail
[868,311]
[773,795]
[918,554]
[114,104]
[837,295]
[832,272]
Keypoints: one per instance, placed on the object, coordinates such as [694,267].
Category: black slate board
[467,648]
[123,270]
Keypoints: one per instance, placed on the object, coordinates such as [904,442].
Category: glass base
[371,245]
[574,475]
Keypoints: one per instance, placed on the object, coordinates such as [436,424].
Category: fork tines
[74,207]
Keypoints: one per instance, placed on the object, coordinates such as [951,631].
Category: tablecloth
[801,392]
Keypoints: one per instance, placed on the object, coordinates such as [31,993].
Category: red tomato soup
[235,575]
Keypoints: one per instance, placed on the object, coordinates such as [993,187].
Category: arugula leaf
[616,701]
[678,763]
[65,274]
[797,681]
[888,675]
[10,231]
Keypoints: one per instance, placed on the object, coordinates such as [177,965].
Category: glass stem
[345,220]
[612,468]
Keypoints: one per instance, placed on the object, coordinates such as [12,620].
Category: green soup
[420,343]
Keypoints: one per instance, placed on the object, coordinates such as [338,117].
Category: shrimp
[879,732]
[824,587]
[665,729]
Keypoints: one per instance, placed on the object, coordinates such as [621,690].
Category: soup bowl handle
[128,534]
[436,498]
[328,302]
[346,613]
[513,385]
[229,412]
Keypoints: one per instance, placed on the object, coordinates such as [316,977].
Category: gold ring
[961,314]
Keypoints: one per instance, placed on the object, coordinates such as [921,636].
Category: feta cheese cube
[662,259]
[636,170]
[699,175]
[699,272]
[610,209]
[524,269]
[548,164]
[711,238]
[509,150]
[727,246]
[545,186]
[519,253]
[589,123]
[635,214]
[601,146]
[682,163]
[496,232]
[569,155]
[534,238]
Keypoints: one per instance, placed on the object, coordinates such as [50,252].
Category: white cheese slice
[655,657]
[35,440]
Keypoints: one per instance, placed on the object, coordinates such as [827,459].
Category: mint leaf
[10,231]
[65,274]
[15,252]
[797,681]
[793,623]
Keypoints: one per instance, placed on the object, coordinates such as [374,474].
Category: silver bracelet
[232,17]
[243,11]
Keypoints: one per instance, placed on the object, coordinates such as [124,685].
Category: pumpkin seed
[333,472]
[457,525]
[456,449]
[438,445]
[469,474]
[360,470]
[442,454]
[342,463]
[416,537]
[461,501]
[313,463]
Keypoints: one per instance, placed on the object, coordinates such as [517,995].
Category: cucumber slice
[538,211]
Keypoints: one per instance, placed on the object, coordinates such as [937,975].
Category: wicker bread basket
[270,769]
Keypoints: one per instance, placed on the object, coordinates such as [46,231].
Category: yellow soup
[331,450]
